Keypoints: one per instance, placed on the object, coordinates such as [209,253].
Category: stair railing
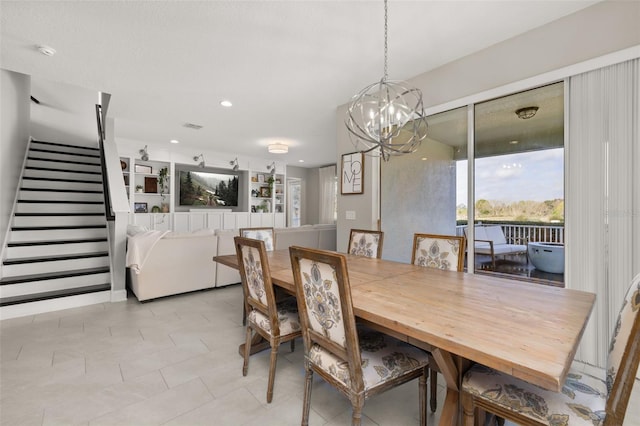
[105,183]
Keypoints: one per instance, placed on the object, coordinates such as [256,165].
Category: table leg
[447,365]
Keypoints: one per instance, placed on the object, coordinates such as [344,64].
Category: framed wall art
[140,207]
[352,173]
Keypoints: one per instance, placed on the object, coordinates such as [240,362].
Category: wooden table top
[526,330]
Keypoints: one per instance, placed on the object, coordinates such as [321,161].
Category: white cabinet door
[181,222]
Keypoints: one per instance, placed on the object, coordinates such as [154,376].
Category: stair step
[52,275]
[51,195]
[56,247]
[53,228]
[8,301]
[38,259]
[30,220]
[63,145]
[47,171]
[53,183]
[60,263]
[34,206]
[39,233]
[42,283]
[64,157]
[92,154]
[78,166]
[56,190]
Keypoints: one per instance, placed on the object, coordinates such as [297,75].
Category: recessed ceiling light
[174,141]
[424,158]
[514,142]
[46,50]
[226,103]
[300,161]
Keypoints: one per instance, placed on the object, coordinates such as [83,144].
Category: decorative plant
[163,178]
[270,182]
[138,188]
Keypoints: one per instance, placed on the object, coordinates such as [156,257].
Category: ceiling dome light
[278,148]
[226,103]
[526,112]
[46,50]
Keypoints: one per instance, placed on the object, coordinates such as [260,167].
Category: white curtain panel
[327,194]
[603,195]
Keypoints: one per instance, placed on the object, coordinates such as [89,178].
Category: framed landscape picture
[140,207]
[352,173]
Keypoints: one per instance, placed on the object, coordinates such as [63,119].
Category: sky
[535,176]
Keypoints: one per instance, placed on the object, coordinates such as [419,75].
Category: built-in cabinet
[267,193]
[147,184]
[152,204]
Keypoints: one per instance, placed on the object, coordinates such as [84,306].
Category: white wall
[604,28]
[15,92]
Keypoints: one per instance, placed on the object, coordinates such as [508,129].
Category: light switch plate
[351,215]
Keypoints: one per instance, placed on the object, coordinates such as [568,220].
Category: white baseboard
[119,296]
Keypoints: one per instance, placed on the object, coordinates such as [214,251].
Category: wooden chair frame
[433,369]
[273,238]
[460,265]
[617,401]
[349,354]
[380,234]
[269,310]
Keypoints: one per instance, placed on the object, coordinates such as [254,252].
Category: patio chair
[366,243]
[275,322]
[438,251]
[264,234]
[584,400]
[359,362]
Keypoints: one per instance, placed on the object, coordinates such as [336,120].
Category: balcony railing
[522,234]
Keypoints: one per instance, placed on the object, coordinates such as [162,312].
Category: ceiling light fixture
[226,103]
[198,158]
[272,168]
[46,50]
[235,164]
[174,141]
[526,112]
[387,117]
[278,148]
[144,155]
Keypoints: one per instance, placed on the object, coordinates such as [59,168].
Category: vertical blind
[327,194]
[603,195]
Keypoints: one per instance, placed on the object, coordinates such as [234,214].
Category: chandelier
[387,118]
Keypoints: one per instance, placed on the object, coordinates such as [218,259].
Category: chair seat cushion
[581,402]
[287,316]
[383,358]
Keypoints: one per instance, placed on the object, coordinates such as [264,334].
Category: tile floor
[172,361]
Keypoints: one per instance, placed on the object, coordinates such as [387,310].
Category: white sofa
[182,262]
[177,263]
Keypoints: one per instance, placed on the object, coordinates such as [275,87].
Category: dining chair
[359,362]
[438,251]
[368,243]
[276,322]
[584,400]
[264,234]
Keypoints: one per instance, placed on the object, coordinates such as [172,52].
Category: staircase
[57,255]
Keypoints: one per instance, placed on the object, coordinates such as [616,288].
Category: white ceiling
[285,65]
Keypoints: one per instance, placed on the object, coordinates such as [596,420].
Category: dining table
[527,330]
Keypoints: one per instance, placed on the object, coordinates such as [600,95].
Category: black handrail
[105,184]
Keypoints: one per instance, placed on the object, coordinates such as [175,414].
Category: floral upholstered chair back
[256,277]
[625,342]
[263,234]
[366,243]
[438,251]
[324,306]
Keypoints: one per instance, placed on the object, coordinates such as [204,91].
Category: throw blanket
[139,247]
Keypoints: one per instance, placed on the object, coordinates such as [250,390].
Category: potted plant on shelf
[139,188]
[163,180]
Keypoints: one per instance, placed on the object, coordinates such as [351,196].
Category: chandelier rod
[386,75]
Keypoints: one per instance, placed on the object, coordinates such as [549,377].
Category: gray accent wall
[15,90]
